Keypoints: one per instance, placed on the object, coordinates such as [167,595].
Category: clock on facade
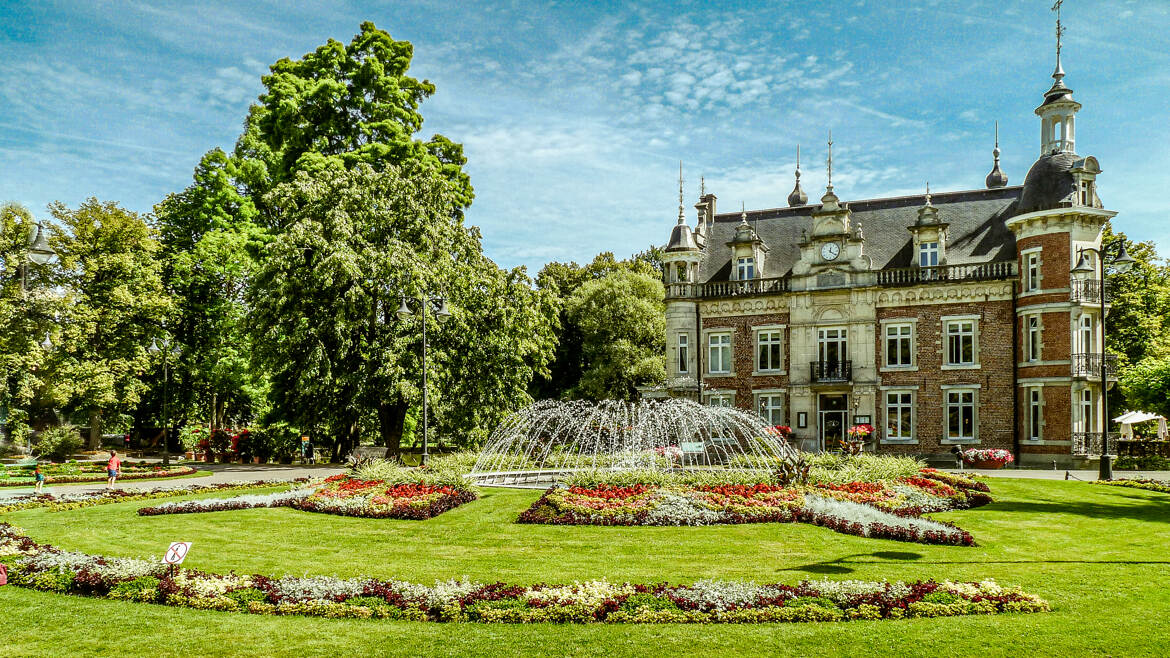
[830,250]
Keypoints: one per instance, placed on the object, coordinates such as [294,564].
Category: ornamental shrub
[58,443]
[647,601]
[143,588]
[246,595]
[801,601]
[941,597]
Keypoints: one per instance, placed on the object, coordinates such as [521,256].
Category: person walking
[40,478]
[113,468]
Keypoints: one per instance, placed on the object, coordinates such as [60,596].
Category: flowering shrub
[47,568]
[886,509]
[247,501]
[1001,457]
[672,453]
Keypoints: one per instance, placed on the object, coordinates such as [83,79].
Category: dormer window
[1086,193]
[928,254]
[745,268]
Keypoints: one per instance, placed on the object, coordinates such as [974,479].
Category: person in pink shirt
[113,468]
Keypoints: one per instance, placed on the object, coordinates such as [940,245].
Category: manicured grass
[1098,554]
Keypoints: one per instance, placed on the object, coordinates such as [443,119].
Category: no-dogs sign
[176,553]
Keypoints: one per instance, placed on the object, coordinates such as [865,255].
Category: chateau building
[945,319]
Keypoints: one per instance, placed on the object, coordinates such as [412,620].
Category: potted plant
[219,443]
[987,458]
[855,444]
[192,437]
[244,446]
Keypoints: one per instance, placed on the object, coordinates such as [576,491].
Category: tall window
[1035,414]
[960,415]
[1086,193]
[1087,411]
[899,415]
[1032,272]
[928,254]
[768,351]
[745,268]
[772,408]
[684,353]
[1087,342]
[961,342]
[833,344]
[719,353]
[899,345]
[1033,337]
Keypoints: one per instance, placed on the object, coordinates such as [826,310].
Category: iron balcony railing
[1088,292]
[1088,365]
[906,276]
[829,372]
[1085,444]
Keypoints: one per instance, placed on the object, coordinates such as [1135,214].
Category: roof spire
[681,218]
[1058,73]
[797,197]
[829,161]
[928,193]
[702,186]
[996,178]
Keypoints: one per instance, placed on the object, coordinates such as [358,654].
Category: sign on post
[176,553]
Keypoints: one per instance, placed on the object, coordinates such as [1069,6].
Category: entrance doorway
[832,411]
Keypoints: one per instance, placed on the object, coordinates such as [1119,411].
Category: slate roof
[977,232]
[1050,183]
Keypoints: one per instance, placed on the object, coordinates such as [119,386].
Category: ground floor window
[771,408]
[960,414]
[899,415]
[1035,414]
[721,400]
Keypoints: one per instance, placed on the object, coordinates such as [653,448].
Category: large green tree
[563,280]
[115,305]
[357,242]
[623,334]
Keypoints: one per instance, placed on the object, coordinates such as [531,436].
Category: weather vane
[829,161]
[1059,27]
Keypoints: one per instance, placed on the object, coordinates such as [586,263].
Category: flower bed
[343,494]
[89,472]
[72,501]
[1161,486]
[47,568]
[885,509]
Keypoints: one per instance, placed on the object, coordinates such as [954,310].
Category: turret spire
[1058,73]
[681,218]
[829,161]
[797,197]
[996,178]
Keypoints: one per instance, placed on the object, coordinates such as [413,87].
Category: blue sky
[574,116]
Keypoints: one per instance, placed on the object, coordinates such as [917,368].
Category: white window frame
[771,406]
[1088,407]
[768,330]
[947,322]
[909,336]
[1035,413]
[960,390]
[1033,337]
[728,367]
[1087,335]
[908,434]
[745,265]
[684,353]
[928,252]
[1031,270]
[721,399]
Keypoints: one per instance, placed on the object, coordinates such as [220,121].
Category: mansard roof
[977,231]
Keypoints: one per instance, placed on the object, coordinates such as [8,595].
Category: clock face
[830,250]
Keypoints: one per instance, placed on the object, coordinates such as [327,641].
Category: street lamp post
[1122,262]
[167,352]
[39,253]
[438,307]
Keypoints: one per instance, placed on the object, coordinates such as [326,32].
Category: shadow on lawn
[840,565]
[1140,509]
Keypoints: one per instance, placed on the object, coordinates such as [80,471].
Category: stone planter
[984,464]
[189,455]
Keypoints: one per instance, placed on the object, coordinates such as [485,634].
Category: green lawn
[1100,555]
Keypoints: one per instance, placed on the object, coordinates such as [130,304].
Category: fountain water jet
[541,444]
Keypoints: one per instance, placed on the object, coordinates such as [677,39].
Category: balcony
[727,288]
[1087,365]
[1088,292]
[909,276]
[831,372]
[1085,444]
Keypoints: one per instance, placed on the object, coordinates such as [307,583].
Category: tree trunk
[391,422]
[95,429]
[219,412]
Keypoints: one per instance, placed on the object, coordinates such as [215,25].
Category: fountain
[541,444]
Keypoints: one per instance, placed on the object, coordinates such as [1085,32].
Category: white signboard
[177,552]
